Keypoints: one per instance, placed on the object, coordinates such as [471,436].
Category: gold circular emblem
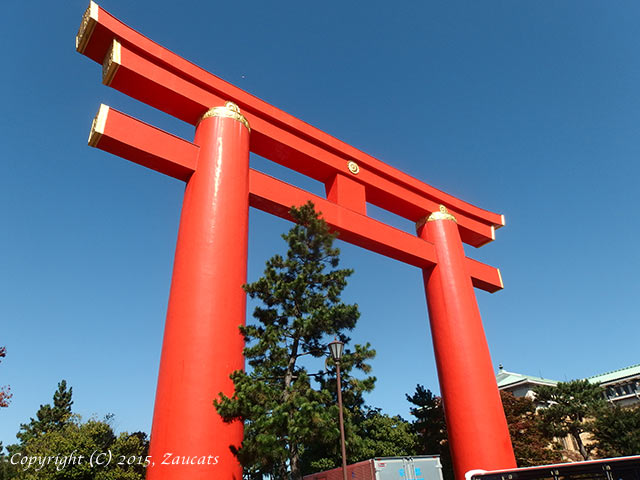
[353,167]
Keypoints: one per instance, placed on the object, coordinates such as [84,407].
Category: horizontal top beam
[276,135]
[122,135]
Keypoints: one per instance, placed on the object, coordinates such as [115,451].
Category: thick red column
[477,428]
[202,344]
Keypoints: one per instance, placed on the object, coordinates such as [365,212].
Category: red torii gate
[202,345]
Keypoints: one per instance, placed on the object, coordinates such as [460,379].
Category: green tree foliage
[617,432]
[569,410]
[7,471]
[430,427]
[283,409]
[385,436]
[370,433]
[62,445]
[5,392]
[5,396]
[327,455]
[49,418]
[532,445]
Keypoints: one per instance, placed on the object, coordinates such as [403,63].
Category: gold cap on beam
[89,21]
[97,127]
[111,62]
[500,277]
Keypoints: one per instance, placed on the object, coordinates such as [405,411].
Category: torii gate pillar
[202,345]
[472,404]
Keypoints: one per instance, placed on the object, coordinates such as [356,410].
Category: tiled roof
[506,379]
[616,374]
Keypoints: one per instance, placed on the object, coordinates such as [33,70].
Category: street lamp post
[336,348]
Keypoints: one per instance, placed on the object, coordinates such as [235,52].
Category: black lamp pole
[336,347]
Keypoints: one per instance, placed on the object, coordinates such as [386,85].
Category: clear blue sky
[531,109]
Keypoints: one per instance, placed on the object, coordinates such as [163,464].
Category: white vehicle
[424,467]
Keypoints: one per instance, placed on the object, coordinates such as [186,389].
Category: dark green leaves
[569,410]
[289,414]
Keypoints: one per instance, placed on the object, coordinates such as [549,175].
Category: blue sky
[531,109]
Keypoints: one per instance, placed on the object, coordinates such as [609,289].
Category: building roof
[510,379]
[616,374]
[507,379]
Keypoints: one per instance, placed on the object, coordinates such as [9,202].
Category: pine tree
[61,436]
[357,416]
[285,409]
[570,408]
[617,431]
[431,428]
[49,417]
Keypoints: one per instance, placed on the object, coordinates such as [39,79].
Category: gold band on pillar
[442,214]
[230,110]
